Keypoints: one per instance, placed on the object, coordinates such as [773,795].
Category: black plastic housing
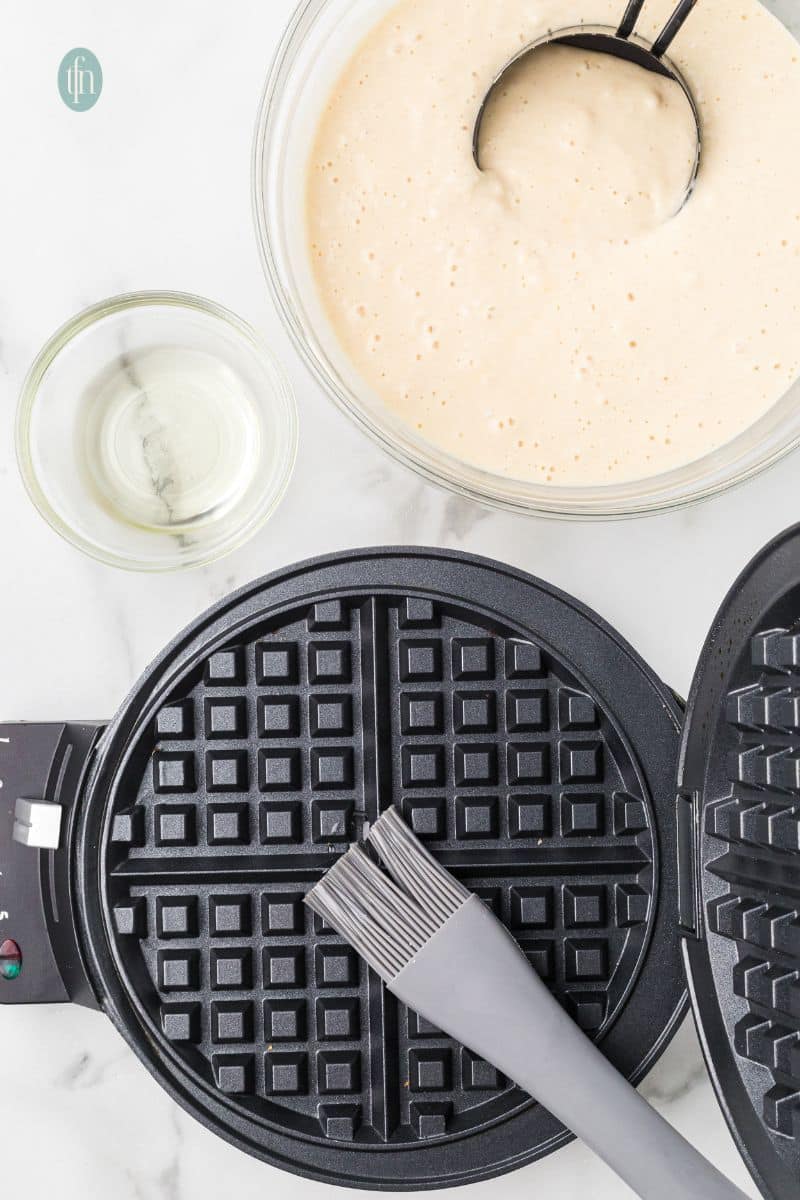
[42,762]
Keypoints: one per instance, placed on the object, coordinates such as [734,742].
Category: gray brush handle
[472,981]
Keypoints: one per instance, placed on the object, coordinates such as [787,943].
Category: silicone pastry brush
[442,952]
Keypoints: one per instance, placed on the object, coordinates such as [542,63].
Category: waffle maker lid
[739,856]
[521,736]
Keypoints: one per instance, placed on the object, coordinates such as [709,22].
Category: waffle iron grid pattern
[263,770]
[759,912]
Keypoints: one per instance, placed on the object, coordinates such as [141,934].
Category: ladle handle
[629,19]
[672,28]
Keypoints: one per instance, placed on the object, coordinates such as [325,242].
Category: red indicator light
[10,960]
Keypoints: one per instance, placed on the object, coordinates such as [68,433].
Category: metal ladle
[622,43]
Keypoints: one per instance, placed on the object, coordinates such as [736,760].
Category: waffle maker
[154,867]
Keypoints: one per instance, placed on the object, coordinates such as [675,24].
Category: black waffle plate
[740,854]
[521,737]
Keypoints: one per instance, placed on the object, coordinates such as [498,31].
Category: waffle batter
[551,318]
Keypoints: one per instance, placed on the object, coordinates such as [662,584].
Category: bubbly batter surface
[551,318]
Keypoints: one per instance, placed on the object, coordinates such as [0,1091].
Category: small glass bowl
[316,45]
[155,431]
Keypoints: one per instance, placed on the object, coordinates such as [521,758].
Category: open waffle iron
[154,868]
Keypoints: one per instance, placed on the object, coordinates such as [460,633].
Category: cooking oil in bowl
[156,431]
[170,438]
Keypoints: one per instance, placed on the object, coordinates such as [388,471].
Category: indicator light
[10,960]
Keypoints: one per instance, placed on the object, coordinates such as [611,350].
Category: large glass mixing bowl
[316,45]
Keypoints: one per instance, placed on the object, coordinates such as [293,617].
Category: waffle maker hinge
[689,900]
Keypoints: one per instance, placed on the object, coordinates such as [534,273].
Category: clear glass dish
[155,431]
[312,52]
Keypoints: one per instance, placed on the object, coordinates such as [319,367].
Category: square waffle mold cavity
[534,753]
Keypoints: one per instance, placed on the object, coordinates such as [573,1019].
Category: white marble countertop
[151,190]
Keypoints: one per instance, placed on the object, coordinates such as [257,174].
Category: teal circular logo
[80,79]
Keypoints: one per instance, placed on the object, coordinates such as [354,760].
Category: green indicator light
[10,960]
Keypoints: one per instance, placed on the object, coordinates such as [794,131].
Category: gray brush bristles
[388,921]
[413,868]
